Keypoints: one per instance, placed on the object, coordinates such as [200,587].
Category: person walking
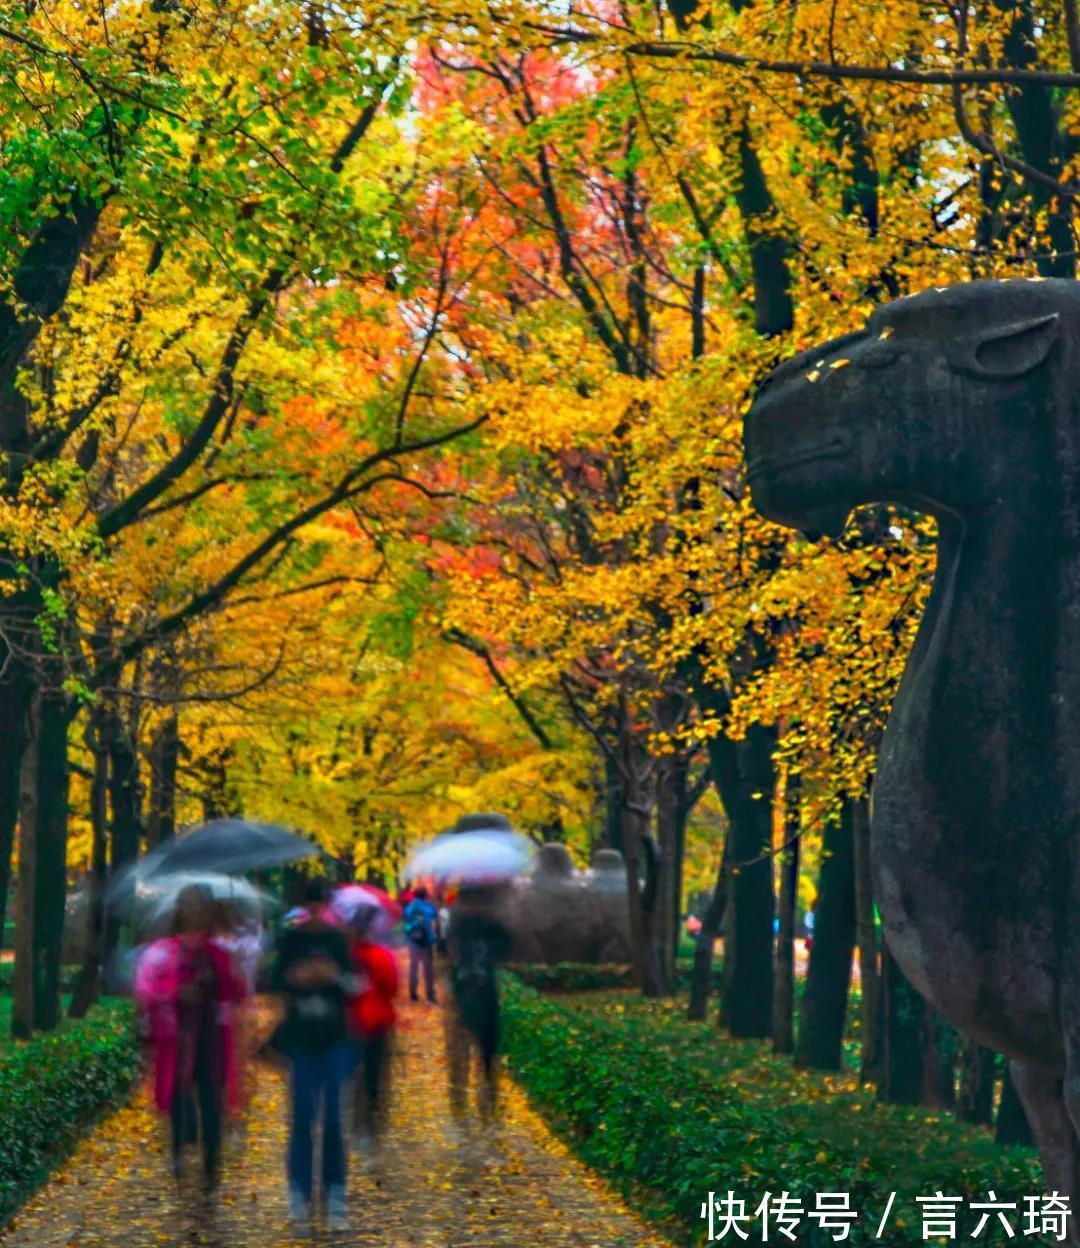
[477,942]
[187,989]
[421,918]
[313,971]
[242,936]
[372,1017]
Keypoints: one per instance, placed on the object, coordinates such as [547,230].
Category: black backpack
[418,929]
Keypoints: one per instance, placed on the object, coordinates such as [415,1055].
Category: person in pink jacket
[185,985]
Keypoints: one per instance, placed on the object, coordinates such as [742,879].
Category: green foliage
[670,1111]
[595,976]
[7,972]
[53,1088]
[573,976]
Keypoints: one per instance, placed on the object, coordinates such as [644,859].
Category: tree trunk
[39,281]
[687,800]
[743,774]
[824,1010]
[904,1041]
[125,800]
[939,1061]
[869,953]
[22,989]
[219,799]
[16,691]
[784,964]
[648,974]
[613,806]
[88,982]
[164,761]
[124,793]
[671,783]
[774,310]
[711,922]
[1044,143]
[1012,1124]
[50,856]
[10,765]
[975,1102]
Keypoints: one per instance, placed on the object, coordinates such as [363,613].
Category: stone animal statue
[964,403]
[606,885]
[557,914]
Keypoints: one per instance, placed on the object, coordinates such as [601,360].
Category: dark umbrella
[486,822]
[228,846]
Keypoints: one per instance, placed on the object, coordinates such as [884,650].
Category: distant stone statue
[549,912]
[557,913]
[606,884]
[964,403]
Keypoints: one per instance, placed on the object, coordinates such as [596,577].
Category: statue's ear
[1009,351]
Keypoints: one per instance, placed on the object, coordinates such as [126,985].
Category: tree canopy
[371,389]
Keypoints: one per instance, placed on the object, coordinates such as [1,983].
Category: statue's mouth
[769,465]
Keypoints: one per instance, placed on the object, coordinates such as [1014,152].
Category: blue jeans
[421,956]
[317,1078]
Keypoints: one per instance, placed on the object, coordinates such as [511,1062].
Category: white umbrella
[473,857]
[156,898]
[351,900]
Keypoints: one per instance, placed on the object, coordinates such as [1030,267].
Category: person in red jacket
[372,1017]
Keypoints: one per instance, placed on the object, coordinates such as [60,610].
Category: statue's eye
[876,355]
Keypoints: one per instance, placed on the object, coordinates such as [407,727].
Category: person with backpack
[314,973]
[421,918]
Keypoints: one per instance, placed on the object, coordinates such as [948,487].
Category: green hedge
[573,976]
[670,1111]
[594,976]
[53,1088]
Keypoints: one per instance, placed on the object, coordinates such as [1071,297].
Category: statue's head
[935,404]
[554,862]
[608,860]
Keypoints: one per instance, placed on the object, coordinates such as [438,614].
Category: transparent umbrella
[223,846]
[155,900]
[351,901]
[478,857]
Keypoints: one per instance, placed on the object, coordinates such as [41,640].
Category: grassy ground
[5,1018]
[910,1146]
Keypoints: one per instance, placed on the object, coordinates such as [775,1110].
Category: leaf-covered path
[514,1185]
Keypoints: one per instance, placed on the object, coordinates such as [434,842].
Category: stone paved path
[513,1185]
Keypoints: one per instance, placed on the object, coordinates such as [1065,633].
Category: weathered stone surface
[606,884]
[964,403]
[560,914]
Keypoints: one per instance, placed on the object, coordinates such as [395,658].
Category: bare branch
[692,53]
[477,647]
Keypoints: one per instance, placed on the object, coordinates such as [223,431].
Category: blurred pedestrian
[421,918]
[313,971]
[477,943]
[186,986]
[241,934]
[372,1017]
[442,929]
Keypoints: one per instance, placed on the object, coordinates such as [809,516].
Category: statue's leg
[1051,1120]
